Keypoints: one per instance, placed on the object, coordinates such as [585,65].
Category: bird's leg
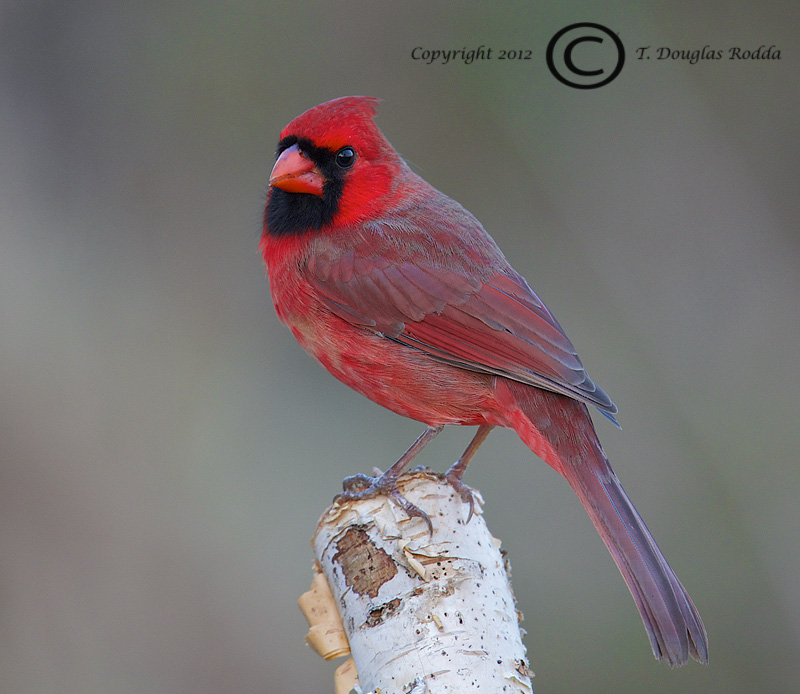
[457,469]
[365,487]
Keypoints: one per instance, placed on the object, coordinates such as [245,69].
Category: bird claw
[355,484]
[453,478]
[360,486]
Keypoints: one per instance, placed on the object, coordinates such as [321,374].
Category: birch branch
[421,614]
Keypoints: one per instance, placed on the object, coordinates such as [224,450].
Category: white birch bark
[422,614]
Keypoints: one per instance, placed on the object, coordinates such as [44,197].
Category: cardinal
[400,293]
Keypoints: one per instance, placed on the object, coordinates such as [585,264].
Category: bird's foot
[457,469]
[358,487]
[453,477]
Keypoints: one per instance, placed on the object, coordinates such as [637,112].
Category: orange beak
[296,173]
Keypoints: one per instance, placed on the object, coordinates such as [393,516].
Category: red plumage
[401,294]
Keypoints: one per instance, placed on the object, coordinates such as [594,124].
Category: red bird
[400,293]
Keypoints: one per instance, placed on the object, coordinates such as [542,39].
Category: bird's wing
[495,325]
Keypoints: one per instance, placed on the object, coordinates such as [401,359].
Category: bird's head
[334,167]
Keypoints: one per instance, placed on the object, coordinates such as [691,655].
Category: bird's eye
[345,157]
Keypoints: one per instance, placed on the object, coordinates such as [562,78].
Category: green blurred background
[165,446]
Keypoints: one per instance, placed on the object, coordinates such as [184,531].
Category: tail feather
[560,431]
[670,618]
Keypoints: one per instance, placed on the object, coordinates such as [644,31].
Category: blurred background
[165,446]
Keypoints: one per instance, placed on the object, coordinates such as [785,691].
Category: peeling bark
[421,613]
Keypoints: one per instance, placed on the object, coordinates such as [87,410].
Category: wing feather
[494,324]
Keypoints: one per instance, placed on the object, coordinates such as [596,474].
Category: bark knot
[366,567]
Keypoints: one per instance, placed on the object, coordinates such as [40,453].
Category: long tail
[560,430]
